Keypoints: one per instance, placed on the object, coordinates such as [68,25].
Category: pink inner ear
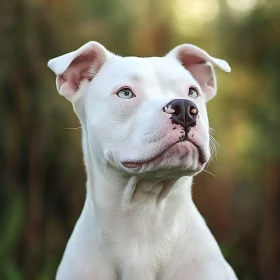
[81,68]
[201,71]
[188,59]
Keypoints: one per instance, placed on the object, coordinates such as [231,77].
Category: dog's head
[141,114]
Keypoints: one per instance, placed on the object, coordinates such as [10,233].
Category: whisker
[214,146]
[210,173]
[213,143]
[213,130]
[79,127]
[170,180]
[214,140]
[70,128]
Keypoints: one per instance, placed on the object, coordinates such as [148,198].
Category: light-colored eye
[192,92]
[126,93]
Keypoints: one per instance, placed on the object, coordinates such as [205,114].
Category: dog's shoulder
[208,269]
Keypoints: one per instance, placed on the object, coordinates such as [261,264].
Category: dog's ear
[200,64]
[74,68]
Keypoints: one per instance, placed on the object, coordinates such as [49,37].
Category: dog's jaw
[177,149]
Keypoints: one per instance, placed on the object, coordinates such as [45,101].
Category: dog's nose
[184,112]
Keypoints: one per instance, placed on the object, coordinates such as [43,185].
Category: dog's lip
[134,163]
[201,154]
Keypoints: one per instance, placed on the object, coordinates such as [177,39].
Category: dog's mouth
[136,164]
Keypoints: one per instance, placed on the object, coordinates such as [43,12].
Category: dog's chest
[140,248]
[140,258]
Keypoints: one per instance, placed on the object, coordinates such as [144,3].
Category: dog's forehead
[162,69]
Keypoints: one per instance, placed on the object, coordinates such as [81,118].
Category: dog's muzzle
[183,112]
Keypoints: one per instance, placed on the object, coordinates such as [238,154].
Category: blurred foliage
[41,169]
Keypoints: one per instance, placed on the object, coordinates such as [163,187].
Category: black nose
[184,112]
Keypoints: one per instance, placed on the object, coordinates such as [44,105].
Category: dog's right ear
[77,67]
[200,64]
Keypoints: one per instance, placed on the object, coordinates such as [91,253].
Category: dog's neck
[111,189]
[137,203]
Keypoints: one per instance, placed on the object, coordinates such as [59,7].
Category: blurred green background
[42,178]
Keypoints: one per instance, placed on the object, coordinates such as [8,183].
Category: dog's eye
[192,92]
[125,93]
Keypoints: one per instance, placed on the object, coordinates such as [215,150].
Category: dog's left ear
[200,64]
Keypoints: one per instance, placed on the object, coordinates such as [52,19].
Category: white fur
[139,223]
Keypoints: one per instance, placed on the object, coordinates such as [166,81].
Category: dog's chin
[181,159]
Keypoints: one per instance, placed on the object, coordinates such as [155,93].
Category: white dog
[145,135]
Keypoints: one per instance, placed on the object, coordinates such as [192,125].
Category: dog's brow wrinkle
[135,78]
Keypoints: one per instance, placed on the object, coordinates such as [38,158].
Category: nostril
[193,111]
[177,110]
